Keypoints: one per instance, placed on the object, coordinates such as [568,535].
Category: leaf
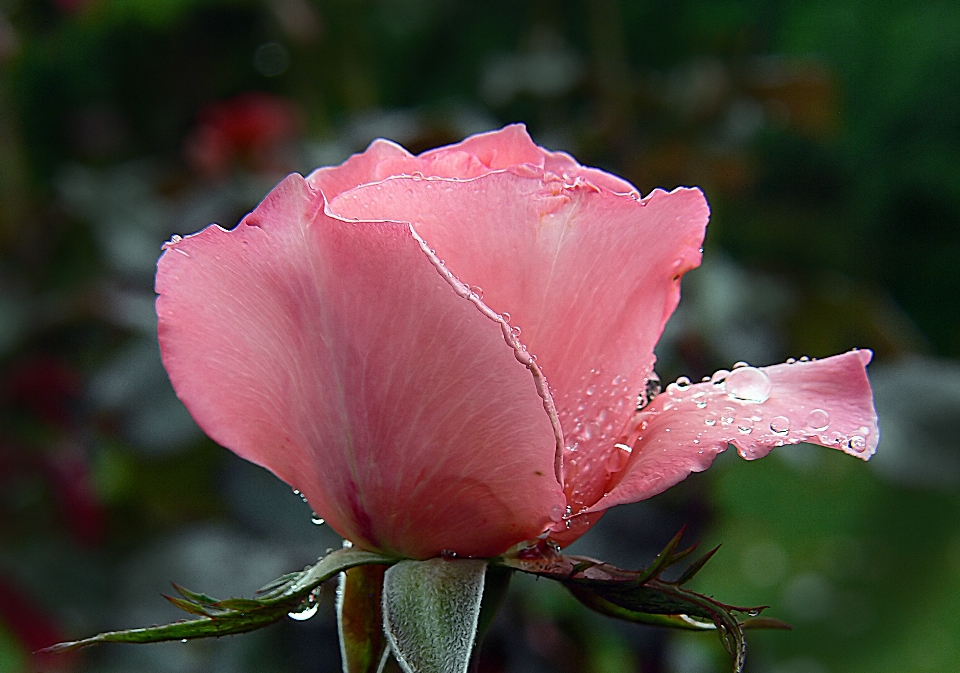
[359,618]
[641,596]
[430,613]
[695,567]
[237,615]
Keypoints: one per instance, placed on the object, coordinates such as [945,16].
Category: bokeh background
[826,135]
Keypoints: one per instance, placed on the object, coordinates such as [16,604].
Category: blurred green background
[826,136]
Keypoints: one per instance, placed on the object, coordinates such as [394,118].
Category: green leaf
[430,613]
[695,567]
[641,596]
[359,617]
[237,615]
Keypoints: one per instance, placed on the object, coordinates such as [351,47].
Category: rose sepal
[644,596]
[238,615]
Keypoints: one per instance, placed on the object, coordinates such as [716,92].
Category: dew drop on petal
[719,376]
[857,443]
[556,513]
[505,316]
[591,390]
[745,426]
[316,519]
[710,419]
[749,384]
[727,417]
[791,361]
[477,290]
[818,419]
[780,425]
[741,364]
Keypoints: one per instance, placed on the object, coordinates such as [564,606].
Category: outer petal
[380,160]
[589,277]
[334,354]
[826,402]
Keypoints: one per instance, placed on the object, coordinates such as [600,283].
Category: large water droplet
[780,425]
[316,520]
[505,316]
[745,426]
[477,291]
[818,419]
[740,365]
[749,384]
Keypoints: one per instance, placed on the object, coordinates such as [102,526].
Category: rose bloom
[443,353]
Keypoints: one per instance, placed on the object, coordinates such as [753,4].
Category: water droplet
[739,365]
[727,417]
[710,419]
[618,458]
[515,330]
[591,431]
[505,316]
[745,426]
[581,407]
[602,416]
[683,383]
[719,376]
[780,425]
[183,640]
[857,443]
[477,291]
[704,379]
[448,554]
[316,520]
[617,380]
[748,384]
[818,419]
[591,390]
[804,359]
[753,613]
[651,388]
[307,610]
[556,513]
[701,404]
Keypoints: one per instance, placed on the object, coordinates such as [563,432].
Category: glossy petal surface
[826,402]
[588,277]
[335,354]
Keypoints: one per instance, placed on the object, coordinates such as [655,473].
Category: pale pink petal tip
[827,402]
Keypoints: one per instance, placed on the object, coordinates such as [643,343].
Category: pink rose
[340,338]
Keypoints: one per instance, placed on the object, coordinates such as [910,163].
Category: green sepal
[237,615]
[431,610]
[360,620]
[695,567]
[643,596]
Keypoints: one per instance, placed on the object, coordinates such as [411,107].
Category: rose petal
[588,276]
[335,355]
[380,160]
[826,402]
